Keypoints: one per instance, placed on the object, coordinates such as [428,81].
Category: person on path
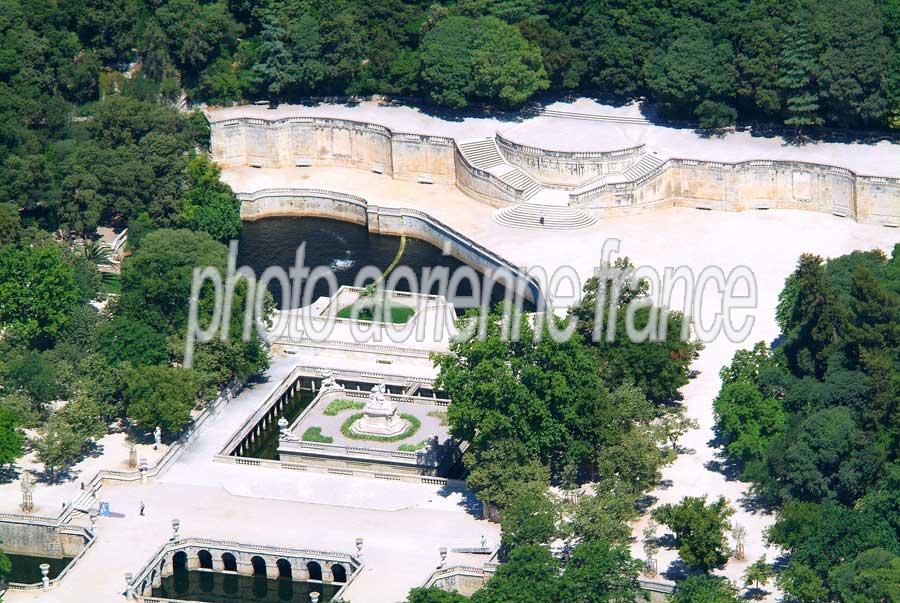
[142,508]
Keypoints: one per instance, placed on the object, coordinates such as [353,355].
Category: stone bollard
[45,575]
[359,543]
[443,553]
[129,590]
[313,597]
[176,526]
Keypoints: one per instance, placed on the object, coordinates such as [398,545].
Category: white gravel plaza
[403,525]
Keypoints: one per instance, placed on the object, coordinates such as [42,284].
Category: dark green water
[346,248]
[213,587]
[25,568]
[267,446]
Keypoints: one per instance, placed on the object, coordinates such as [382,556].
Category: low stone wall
[381,220]
[566,168]
[760,184]
[42,537]
[320,141]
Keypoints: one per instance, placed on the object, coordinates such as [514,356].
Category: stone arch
[338,573]
[315,570]
[229,562]
[284,568]
[179,562]
[259,565]
[204,557]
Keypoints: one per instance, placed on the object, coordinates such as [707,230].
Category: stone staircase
[484,155]
[644,166]
[555,217]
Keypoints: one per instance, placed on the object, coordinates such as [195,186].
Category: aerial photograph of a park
[437,301]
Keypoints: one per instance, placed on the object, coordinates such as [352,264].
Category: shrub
[414,425]
[336,406]
[314,434]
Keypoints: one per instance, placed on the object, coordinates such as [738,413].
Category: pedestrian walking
[142,508]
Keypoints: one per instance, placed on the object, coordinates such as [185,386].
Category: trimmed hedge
[414,425]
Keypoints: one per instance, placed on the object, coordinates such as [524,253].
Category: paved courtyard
[402,524]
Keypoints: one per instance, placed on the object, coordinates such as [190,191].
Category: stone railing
[144,579]
[390,476]
[598,156]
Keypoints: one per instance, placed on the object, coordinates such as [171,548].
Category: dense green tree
[799,64]
[691,75]
[37,290]
[434,595]
[32,373]
[58,446]
[446,55]
[505,66]
[209,204]
[746,421]
[11,438]
[126,340]
[799,581]
[600,573]
[160,396]
[699,529]
[271,72]
[870,576]
[497,473]
[705,589]
[530,574]
[531,518]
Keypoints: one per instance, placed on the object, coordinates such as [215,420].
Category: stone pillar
[299,571]
[157,580]
[327,576]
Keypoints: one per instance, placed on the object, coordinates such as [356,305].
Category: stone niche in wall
[801,182]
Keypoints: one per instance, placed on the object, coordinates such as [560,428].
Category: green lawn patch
[336,406]
[413,447]
[366,309]
[314,434]
[110,283]
[414,425]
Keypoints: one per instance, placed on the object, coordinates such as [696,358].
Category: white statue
[157,438]
[380,415]
[328,381]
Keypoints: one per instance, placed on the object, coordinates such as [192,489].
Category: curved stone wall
[759,184]
[382,220]
[321,141]
[567,169]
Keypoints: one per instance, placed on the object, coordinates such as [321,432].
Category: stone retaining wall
[319,141]
[759,184]
[27,536]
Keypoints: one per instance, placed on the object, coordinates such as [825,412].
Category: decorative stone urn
[380,416]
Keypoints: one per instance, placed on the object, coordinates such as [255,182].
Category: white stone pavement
[769,243]
[403,525]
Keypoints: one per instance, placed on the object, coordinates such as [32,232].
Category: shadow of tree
[642,504]
[8,474]
[469,502]
[677,570]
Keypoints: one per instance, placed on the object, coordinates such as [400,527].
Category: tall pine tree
[798,64]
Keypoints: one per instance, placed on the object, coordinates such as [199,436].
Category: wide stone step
[482,153]
[529,215]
